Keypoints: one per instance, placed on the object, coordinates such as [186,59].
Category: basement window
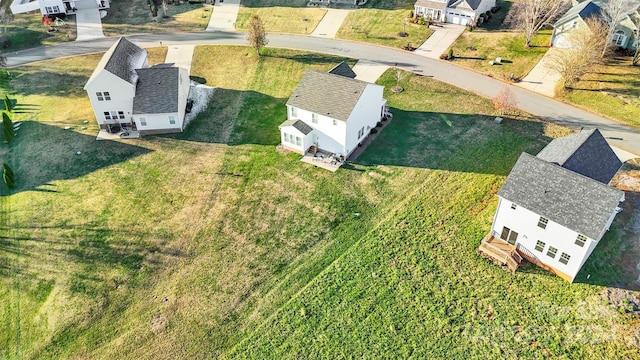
[581,240]
[564,258]
[540,245]
[543,222]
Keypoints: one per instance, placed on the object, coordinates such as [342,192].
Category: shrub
[450,54]
[444,57]
[379,124]
[5,42]
[373,131]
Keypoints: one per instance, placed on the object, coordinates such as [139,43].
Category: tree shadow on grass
[25,82]
[42,154]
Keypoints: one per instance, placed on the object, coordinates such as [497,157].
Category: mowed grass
[612,89]
[134,17]
[211,243]
[27,30]
[379,26]
[475,49]
[281,19]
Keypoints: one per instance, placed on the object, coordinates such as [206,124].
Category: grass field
[379,26]
[210,243]
[613,90]
[134,17]
[295,20]
[26,30]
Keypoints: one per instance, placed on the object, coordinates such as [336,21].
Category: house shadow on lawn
[454,142]
[41,154]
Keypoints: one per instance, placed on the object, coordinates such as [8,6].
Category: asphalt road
[621,136]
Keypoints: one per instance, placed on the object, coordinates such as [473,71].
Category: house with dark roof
[126,93]
[56,7]
[555,207]
[577,15]
[461,12]
[331,112]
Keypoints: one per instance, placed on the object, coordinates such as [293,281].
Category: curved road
[621,136]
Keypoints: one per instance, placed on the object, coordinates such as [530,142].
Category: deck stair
[500,253]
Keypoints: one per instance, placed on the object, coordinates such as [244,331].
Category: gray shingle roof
[586,153]
[125,59]
[298,124]
[327,94]
[431,4]
[343,69]
[584,10]
[157,90]
[567,198]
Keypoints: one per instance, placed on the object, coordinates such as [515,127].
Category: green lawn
[475,49]
[612,90]
[382,27]
[210,243]
[23,31]
[134,17]
[295,20]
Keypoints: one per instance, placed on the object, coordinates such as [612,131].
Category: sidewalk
[223,16]
[330,23]
[89,24]
[180,55]
[541,79]
[438,43]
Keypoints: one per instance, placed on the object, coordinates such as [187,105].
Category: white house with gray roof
[126,93]
[461,12]
[331,112]
[56,7]
[555,207]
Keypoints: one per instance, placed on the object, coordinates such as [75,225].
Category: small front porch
[500,253]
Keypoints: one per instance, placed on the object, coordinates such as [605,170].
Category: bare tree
[257,34]
[586,43]
[613,13]
[165,4]
[636,41]
[531,16]
[505,102]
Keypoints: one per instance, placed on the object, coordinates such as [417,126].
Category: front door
[509,235]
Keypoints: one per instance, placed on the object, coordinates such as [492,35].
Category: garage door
[464,21]
[455,20]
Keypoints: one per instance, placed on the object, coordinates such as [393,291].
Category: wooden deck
[500,252]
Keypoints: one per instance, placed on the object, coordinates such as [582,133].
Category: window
[543,222]
[286,137]
[552,252]
[581,240]
[172,119]
[564,258]
[619,38]
[360,132]
[540,245]
[107,96]
[121,114]
[298,141]
[314,118]
[52,9]
[509,235]
[294,112]
[514,206]
[575,24]
[114,115]
[102,96]
[143,121]
[107,115]
[335,122]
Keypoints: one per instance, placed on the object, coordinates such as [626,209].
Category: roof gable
[343,69]
[583,10]
[157,90]
[125,58]
[469,4]
[327,94]
[432,4]
[567,198]
[586,153]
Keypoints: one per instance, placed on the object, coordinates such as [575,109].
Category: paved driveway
[180,55]
[89,24]
[541,78]
[438,43]
[330,23]
[223,17]
[369,71]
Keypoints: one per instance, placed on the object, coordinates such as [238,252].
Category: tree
[164,8]
[7,175]
[531,15]
[257,35]
[7,126]
[584,53]
[613,13]
[636,40]
[505,102]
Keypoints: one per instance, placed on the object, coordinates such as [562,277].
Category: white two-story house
[333,113]
[126,93]
[56,7]
[462,12]
[555,207]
